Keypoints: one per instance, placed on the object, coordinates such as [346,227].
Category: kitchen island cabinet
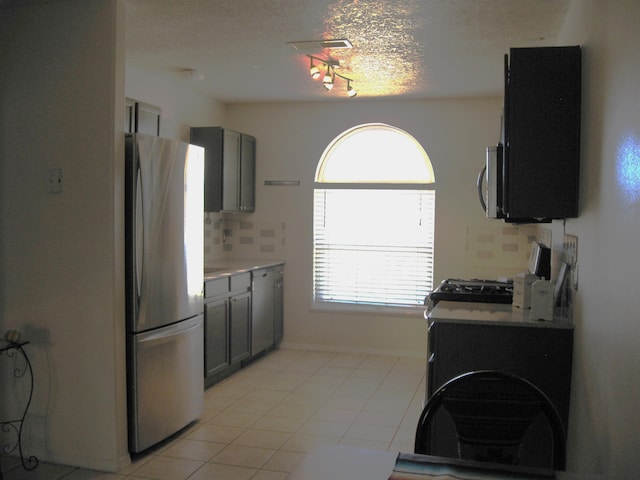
[469,336]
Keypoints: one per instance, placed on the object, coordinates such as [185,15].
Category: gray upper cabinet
[141,117]
[230,162]
[247,194]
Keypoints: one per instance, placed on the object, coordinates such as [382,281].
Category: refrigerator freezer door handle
[139,216]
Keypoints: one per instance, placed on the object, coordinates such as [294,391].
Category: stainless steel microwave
[490,183]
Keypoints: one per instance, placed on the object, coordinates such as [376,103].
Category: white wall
[62,84]
[62,91]
[604,428]
[290,140]
[182,106]
[61,255]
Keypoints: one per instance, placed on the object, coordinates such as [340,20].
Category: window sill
[356,308]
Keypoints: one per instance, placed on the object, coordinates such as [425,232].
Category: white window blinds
[373,246]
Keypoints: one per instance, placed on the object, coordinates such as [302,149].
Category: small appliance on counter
[517,291]
[522,283]
[532,289]
[542,301]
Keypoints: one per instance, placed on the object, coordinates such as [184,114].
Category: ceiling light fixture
[313,70]
[320,44]
[191,75]
[327,81]
[331,74]
[351,92]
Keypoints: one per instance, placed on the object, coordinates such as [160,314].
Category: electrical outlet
[570,250]
[570,257]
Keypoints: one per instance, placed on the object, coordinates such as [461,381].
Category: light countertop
[232,267]
[490,313]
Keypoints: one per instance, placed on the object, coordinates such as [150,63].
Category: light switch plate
[54,180]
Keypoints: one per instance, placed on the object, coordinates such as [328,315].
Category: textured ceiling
[409,48]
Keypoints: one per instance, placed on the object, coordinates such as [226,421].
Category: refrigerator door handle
[139,225]
[167,334]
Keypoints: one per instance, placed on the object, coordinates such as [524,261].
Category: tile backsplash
[226,238]
[501,249]
[492,250]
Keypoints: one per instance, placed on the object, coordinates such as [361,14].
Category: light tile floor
[260,422]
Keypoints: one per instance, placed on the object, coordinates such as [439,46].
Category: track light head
[351,92]
[330,76]
[327,82]
[313,70]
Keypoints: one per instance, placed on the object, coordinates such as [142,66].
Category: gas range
[474,290]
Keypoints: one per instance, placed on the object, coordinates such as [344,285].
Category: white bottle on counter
[542,300]
[522,283]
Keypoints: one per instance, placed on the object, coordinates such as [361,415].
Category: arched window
[374,205]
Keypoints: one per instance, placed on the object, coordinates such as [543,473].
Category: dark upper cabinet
[141,117]
[247,181]
[541,133]
[230,160]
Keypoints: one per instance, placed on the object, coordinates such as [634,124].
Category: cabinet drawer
[215,287]
[241,281]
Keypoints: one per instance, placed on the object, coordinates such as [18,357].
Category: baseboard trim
[342,349]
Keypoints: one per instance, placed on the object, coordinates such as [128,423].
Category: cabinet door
[248,174]
[540,355]
[129,115]
[542,121]
[230,171]
[240,318]
[216,335]
[211,139]
[278,315]
[147,119]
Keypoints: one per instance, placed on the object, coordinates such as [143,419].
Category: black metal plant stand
[14,427]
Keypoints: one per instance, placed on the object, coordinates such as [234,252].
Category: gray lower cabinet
[240,323]
[227,325]
[216,328]
[243,319]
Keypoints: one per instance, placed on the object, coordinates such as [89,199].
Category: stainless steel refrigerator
[164,192]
